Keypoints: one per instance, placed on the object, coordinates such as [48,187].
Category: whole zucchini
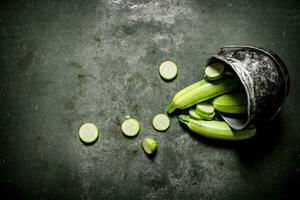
[231,103]
[201,91]
[216,129]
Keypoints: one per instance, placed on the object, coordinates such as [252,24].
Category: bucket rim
[273,56]
[278,61]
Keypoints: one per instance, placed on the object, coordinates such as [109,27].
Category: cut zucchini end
[88,133]
[130,127]
[149,145]
[161,122]
[214,71]
[168,70]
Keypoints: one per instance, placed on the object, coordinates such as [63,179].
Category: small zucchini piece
[149,145]
[214,71]
[231,103]
[216,129]
[208,117]
[130,127]
[161,122]
[205,110]
[88,133]
[193,114]
[168,70]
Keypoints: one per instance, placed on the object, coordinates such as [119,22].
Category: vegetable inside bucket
[265,96]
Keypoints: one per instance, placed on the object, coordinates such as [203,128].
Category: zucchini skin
[216,129]
[231,103]
[201,91]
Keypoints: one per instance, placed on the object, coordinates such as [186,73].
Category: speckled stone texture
[266,81]
[66,62]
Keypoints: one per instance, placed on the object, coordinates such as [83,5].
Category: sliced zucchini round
[88,132]
[130,127]
[208,117]
[193,114]
[205,110]
[214,71]
[161,122]
[149,145]
[168,70]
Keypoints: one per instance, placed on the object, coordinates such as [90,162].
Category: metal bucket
[265,79]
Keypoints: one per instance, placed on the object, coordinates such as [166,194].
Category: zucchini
[216,129]
[149,145]
[161,122]
[205,110]
[193,114]
[88,133]
[130,127]
[201,91]
[168,70]
[214,71]
[231,103]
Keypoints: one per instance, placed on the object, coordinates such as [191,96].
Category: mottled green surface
[63,63]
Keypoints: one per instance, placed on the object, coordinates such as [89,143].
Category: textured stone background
[67,62]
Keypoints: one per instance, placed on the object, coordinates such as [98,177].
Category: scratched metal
[265,79]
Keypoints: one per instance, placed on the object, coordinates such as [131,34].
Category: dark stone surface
[63,63]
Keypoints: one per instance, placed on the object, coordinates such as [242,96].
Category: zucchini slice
[205,110]
[88,133]
[214,71]
[193,114]
[161,122]
[149,145]
[130,127]
[168,70]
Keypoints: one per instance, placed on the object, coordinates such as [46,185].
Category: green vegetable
[205,110]
[130,127]
[149,145]
[88,132]
[161,122]
[201,91]
[216,129]
[168,70]
[214,71]
[193,114]
[231,103]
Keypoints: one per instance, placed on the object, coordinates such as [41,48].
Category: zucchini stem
[171,108]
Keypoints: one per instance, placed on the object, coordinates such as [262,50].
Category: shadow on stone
[89,144]
[263,143]
[151,156]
